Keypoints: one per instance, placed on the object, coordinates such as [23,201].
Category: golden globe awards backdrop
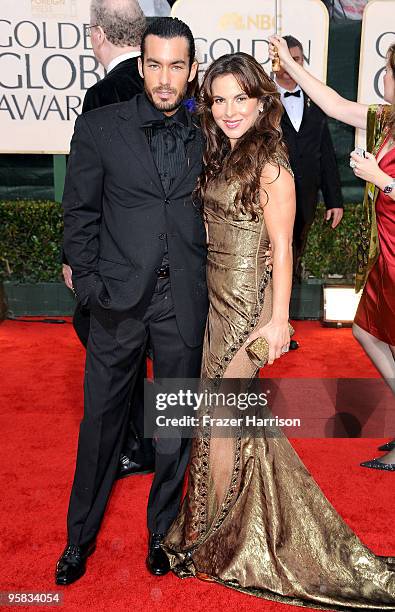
[378,33]
[227,26]
[46,65]
[46,60]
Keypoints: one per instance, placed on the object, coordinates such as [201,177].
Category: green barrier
[31,237]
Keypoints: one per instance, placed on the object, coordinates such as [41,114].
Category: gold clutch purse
[258,349]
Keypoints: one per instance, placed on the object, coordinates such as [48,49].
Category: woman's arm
[278,203]
[333,105]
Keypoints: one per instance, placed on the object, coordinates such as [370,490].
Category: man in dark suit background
[136,242]
[116,30]
[311,154]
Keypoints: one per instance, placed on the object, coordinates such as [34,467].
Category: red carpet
[41,406]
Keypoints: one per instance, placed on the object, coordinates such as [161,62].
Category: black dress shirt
[167,137]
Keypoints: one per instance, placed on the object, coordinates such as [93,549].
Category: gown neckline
[381,148]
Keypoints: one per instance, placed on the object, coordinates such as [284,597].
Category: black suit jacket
[119,85]
[313,161]
[116,215]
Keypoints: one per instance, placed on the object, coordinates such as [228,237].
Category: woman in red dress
[374,324]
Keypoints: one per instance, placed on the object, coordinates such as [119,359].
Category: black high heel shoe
[388,446]
[376,464]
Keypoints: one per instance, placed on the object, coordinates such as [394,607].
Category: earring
[260,110]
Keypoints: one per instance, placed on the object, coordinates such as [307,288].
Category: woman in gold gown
[253,517]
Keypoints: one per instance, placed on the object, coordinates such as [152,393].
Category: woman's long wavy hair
[391,62]
[260,144]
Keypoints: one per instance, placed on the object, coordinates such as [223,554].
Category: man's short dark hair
[293,42]
[170,27]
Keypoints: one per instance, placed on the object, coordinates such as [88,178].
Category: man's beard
[166,107]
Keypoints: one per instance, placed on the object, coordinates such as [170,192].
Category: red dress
[376,310]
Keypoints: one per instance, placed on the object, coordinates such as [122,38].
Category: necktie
[292,93]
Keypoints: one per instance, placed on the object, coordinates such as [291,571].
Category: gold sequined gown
[253,517]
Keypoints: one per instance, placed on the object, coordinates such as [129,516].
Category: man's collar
[148,112]
[282,90]
[121,58]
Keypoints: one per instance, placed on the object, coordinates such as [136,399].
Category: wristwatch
[390,187]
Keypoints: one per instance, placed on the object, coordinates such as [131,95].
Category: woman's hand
[366,167]
[334,105]
[277,335]
[279,47]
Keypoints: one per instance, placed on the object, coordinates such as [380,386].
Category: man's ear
[140,67]
[100,35]
[193,71]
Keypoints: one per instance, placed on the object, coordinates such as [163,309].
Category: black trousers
[135,445]
[116,346]
[305,214]
[300,236]
[82,323]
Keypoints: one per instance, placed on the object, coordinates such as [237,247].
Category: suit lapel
[306,110]
[286,119]
[135,138]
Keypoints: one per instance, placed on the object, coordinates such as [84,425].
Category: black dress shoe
[128,467]
[376,464]
[293,345]
[72,564]
[388,446]
[157,560]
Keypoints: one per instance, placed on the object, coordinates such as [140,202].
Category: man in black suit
[116,30]
[136,242]
[311,154]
